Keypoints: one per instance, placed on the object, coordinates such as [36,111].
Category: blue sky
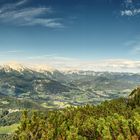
[69,31]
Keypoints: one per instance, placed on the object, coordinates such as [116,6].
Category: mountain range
[46,87]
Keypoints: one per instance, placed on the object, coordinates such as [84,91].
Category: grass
[8,129]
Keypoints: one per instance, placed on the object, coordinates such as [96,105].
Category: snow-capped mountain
[12,66]
[21,67]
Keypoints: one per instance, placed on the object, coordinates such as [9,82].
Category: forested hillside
[118,119]
[26,88]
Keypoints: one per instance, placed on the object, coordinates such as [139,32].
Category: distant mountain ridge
[42,68]
[53,88]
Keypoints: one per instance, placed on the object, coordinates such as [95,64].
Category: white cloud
[11,6]
[21,2]
[134,46]
[136,11]
[50,57]
[29,12]
[52,23]
[130,8]
[10,53]
[127,13]
[130,12]
[128,4]
[136,50]
[40,57]
[115,65]
[16,14]
[129,1]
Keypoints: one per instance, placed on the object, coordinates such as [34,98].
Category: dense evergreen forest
[118,119]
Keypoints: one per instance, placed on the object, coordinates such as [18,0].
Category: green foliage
[112,120]
[58,126]
[8,129]
[134,98]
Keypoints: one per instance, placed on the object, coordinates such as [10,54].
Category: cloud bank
[66,64]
